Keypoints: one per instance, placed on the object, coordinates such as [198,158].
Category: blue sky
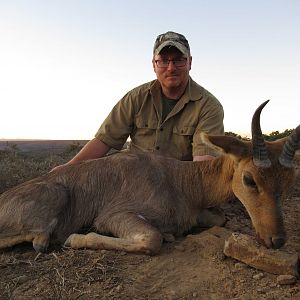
[64,64]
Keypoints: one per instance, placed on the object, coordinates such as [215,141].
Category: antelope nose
[278,242]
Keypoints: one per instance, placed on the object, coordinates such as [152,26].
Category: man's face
[172,75]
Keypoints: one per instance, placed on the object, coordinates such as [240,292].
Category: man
[164,116]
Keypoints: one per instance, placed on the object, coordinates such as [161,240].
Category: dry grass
[183,270]
[61,274]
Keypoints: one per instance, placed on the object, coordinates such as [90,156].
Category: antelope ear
[282,141]
[279,143]
[227,144]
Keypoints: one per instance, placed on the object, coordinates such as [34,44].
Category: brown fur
[136,199]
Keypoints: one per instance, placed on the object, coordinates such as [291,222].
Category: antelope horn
[260,154]
[289,148]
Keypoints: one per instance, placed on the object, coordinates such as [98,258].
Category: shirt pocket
[144,126]
[144,133]
[183,138]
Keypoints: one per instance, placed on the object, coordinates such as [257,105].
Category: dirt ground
[193,267]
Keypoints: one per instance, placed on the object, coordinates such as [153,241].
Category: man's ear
[190,62]
[153,64]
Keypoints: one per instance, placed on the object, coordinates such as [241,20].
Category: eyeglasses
[164,63]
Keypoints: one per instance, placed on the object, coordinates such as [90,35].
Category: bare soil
[193,267]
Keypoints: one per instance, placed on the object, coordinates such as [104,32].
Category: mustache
[172,74]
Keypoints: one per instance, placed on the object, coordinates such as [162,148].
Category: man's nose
[171,65]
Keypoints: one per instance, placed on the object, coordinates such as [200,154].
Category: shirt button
[157,147]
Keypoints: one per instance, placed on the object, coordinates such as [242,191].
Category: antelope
[131,201]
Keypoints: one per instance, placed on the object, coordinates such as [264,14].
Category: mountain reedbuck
[132,201]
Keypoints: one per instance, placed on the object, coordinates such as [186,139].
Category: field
[192,267]
[36,148]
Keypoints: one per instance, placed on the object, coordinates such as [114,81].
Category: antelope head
[263,173]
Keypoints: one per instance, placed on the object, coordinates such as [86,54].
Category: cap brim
[177,45]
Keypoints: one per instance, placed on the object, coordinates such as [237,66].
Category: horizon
[243,135]
[64,65]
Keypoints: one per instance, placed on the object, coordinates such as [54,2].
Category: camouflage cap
[171,39]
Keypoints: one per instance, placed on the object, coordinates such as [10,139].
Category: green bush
[275,135]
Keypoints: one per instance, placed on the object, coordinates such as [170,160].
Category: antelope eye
[249,181]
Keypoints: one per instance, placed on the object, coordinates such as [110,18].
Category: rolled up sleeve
[118,125]
[211,122]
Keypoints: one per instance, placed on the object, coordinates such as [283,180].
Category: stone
[258,276]
[179,248]
[245,249]
[286,279]
[240,266]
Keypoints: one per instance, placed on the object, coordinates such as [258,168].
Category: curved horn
[260,154]
[289,148]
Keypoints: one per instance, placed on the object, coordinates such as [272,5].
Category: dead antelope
[133,200]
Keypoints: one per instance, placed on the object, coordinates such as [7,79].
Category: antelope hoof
[40,243]
[40,248]
[274,242]
[74,241]
[68,241]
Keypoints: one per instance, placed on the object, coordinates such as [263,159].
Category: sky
[64,64]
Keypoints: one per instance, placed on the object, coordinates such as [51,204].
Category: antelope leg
[132,234]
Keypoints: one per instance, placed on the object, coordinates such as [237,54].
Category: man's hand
[203,157]
[95,148]
[58,167]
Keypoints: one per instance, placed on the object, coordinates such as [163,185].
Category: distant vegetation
[17,167]
[273,136]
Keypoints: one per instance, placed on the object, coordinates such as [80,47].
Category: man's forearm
[95,148]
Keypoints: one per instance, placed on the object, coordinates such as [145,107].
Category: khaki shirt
[138,115]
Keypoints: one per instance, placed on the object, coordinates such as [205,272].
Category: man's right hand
[95,148]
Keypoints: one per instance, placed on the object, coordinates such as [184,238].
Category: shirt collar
[194,90]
